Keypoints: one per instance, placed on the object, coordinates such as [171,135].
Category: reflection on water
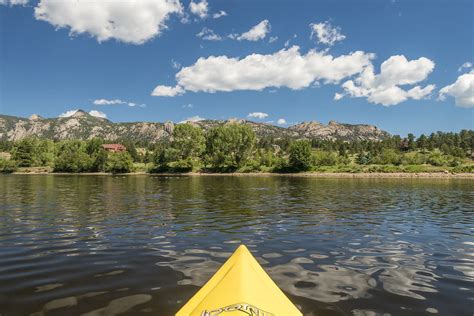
[101,245]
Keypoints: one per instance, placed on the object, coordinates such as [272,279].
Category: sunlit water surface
[141,245]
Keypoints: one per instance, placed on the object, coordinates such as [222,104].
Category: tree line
[235,147]
[65,156]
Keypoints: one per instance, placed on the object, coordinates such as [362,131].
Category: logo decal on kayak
[246,309]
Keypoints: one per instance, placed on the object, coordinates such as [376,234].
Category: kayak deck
[239,287]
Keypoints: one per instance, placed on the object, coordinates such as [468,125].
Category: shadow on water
[132,245]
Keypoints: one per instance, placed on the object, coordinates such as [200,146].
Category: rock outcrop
[335,130]
[82,125]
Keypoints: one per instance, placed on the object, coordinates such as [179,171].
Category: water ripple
[139,245]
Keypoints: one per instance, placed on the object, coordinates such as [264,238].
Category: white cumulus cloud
[462,90]
[466,65]
[326,33]
[128,21]
[256,33]
[386,88]
[98,114]
[338,96]
[175,64]
[166,91]
[219,14]
[92,113]
[257,115]
[133,104]
[191,119]
[281,121]
[68,113]
[13,2]
[208,35]
[199,8]
[108,102]
[116,102]
[284,68]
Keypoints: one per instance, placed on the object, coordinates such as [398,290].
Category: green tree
[300,155]
[411,142]
[97,154]
[186,147]
[364,158]
[422,142]
[148,157]
[31,152]
[44,152]
[131,149]
[7,165]
[326,158]
[159,157]
[72,157]
[5,145]
[229,146]
[24,152]
[120,162]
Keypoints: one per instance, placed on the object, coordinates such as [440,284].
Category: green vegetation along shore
[234,148]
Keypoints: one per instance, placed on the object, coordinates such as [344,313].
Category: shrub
[266,158]
[364,158]
[182,165]
[455,162]
[250,167]
[349,168]
[388,156]
[436,159]
[413,158]
[7,165]
[325,158]
[464,168]
[300,158]
[281,165]
[120,162]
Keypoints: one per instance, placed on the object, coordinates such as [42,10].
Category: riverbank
[332,174]
[445,174]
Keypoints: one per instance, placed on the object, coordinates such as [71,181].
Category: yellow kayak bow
[239,287]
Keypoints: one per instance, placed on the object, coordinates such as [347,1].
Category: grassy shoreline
[316,174]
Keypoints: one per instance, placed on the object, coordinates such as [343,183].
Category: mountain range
[82,125]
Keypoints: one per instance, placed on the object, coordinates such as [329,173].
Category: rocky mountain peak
[82,125]
[80,113]
[335,130]
[35,117]
[235,120]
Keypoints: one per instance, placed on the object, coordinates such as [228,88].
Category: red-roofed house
[114,147]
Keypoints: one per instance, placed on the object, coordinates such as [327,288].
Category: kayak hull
[239,287]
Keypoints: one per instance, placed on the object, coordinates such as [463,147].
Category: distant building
[114,147]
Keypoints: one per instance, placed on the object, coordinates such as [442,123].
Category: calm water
[139,245]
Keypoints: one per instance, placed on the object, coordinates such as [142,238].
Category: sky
[402,65]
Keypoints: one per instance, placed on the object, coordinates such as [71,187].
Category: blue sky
[291,60]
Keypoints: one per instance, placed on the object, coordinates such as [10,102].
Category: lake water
[142,245]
